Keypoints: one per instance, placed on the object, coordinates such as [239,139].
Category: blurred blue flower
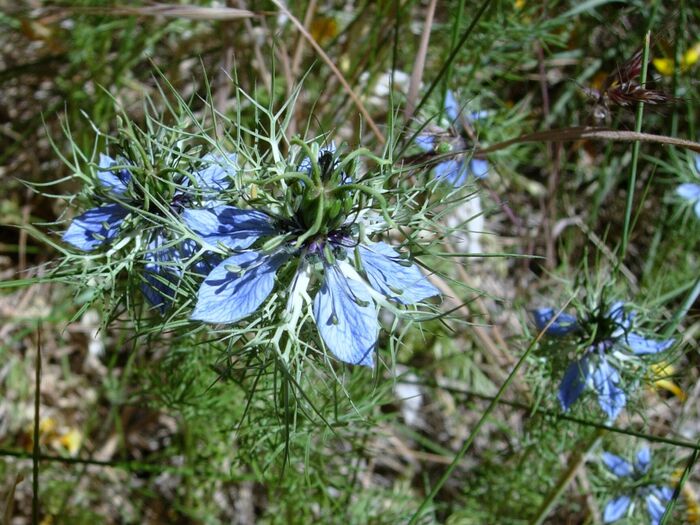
[455,170]
[593,368]
[656,497]
[102,224]
[344,308]
[563,324]
[690,191]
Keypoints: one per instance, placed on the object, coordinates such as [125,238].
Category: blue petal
[617,465]
[114,182]
[564,323]
[204,263]
[621,318]
[616,508]
[394,276]
[618,315]
[655,506]
[689,191]
[235,228]
[643,460]
[453,171]
[95,227]
[237,287]
[642,346]
[218,172]
[573,382]
[451,107]
[160,280]
[610,398]
[425,142]
[346,318]
[158,286]
[479,167]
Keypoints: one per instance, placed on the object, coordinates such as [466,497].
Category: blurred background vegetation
[161,431]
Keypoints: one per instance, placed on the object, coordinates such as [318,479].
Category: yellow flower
[690,57]
[71,441]
[664,66]
[660,374]
[519,4]
[323,29]
[47,426]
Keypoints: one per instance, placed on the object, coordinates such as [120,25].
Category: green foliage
[182,422]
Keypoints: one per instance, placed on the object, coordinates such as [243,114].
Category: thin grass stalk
[467,444]
[635,154]
[453,44]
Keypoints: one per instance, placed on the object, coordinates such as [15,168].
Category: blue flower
[656,497]
[102,224]
[455,170]
[594,369]
[345,305]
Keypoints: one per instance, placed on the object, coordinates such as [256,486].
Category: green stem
[315,170]
[559,416]
[291,176]
[374,193]
[635,153]
[364,152]
[318,221]
[453,44]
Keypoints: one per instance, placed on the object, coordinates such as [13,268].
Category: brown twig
[334,69]
[190,12]
[419,65]
[259,59]
[299,50]
[585,132]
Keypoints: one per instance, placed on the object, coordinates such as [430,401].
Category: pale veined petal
[395,277]
[346,317]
